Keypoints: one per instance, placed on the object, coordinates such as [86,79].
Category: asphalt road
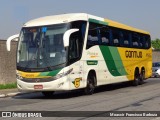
[117,97]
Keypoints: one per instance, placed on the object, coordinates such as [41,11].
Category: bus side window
[135,40]
[115,37]
[125,40]
[93,35]
[141,42]
[147,41]
[77,41]
[105,36]
[74,47]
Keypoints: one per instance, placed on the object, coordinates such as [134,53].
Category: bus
[80,51]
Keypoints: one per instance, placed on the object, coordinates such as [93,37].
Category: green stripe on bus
[97,21]
[117,60]
[109,60]
[52,73]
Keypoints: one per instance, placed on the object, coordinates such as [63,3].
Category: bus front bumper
[55,85]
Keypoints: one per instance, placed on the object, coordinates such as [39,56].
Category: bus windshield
[42,47]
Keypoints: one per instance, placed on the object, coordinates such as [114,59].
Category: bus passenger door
[75,64]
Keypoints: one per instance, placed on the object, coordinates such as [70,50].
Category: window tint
[135,40]
[76,41]
[156,64]
[81,25]
[105,35]
[74,48]
[115,37]
[126,39]
[141,41]
[111,36]
[93,35]
[147,42]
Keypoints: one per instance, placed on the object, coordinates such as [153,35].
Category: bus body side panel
[114,64]
[132,58]
[101,60]
[76,77]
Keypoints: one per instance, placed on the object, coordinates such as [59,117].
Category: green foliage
[8,86]
[156,44]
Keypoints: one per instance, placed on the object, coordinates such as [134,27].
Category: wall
[156,56]
[7,63]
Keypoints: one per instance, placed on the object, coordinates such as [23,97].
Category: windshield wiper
[58,65]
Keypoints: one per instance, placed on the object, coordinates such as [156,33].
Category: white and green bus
[78,50]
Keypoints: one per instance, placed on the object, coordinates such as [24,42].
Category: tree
[156,43]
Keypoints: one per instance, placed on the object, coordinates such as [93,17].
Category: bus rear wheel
[142,77]
[136,80]
[89,90]
[48,94]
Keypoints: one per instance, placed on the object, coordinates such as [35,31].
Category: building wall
[7,63]
[156,56]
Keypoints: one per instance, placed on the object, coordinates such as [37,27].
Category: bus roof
[56,19]
[64,18]
[123,26]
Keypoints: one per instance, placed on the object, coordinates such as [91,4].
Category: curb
[12,94]
[2,95]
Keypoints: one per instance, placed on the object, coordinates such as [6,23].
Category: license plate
[38,87]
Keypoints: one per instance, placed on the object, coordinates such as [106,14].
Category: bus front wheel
[89,90]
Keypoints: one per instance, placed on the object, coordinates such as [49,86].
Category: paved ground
[6,91]
[117,97]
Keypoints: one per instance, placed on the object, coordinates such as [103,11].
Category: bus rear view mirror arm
[8,42]
[67,35]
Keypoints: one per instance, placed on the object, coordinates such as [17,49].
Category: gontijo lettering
[133,54]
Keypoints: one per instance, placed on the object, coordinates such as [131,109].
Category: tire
[89,90]
[136,79]
[142,77]
[48,94]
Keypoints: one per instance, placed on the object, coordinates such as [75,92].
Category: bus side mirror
[67,35]
[8,42]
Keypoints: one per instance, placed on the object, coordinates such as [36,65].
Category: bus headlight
[19,76]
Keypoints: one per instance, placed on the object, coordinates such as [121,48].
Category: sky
[142,14]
